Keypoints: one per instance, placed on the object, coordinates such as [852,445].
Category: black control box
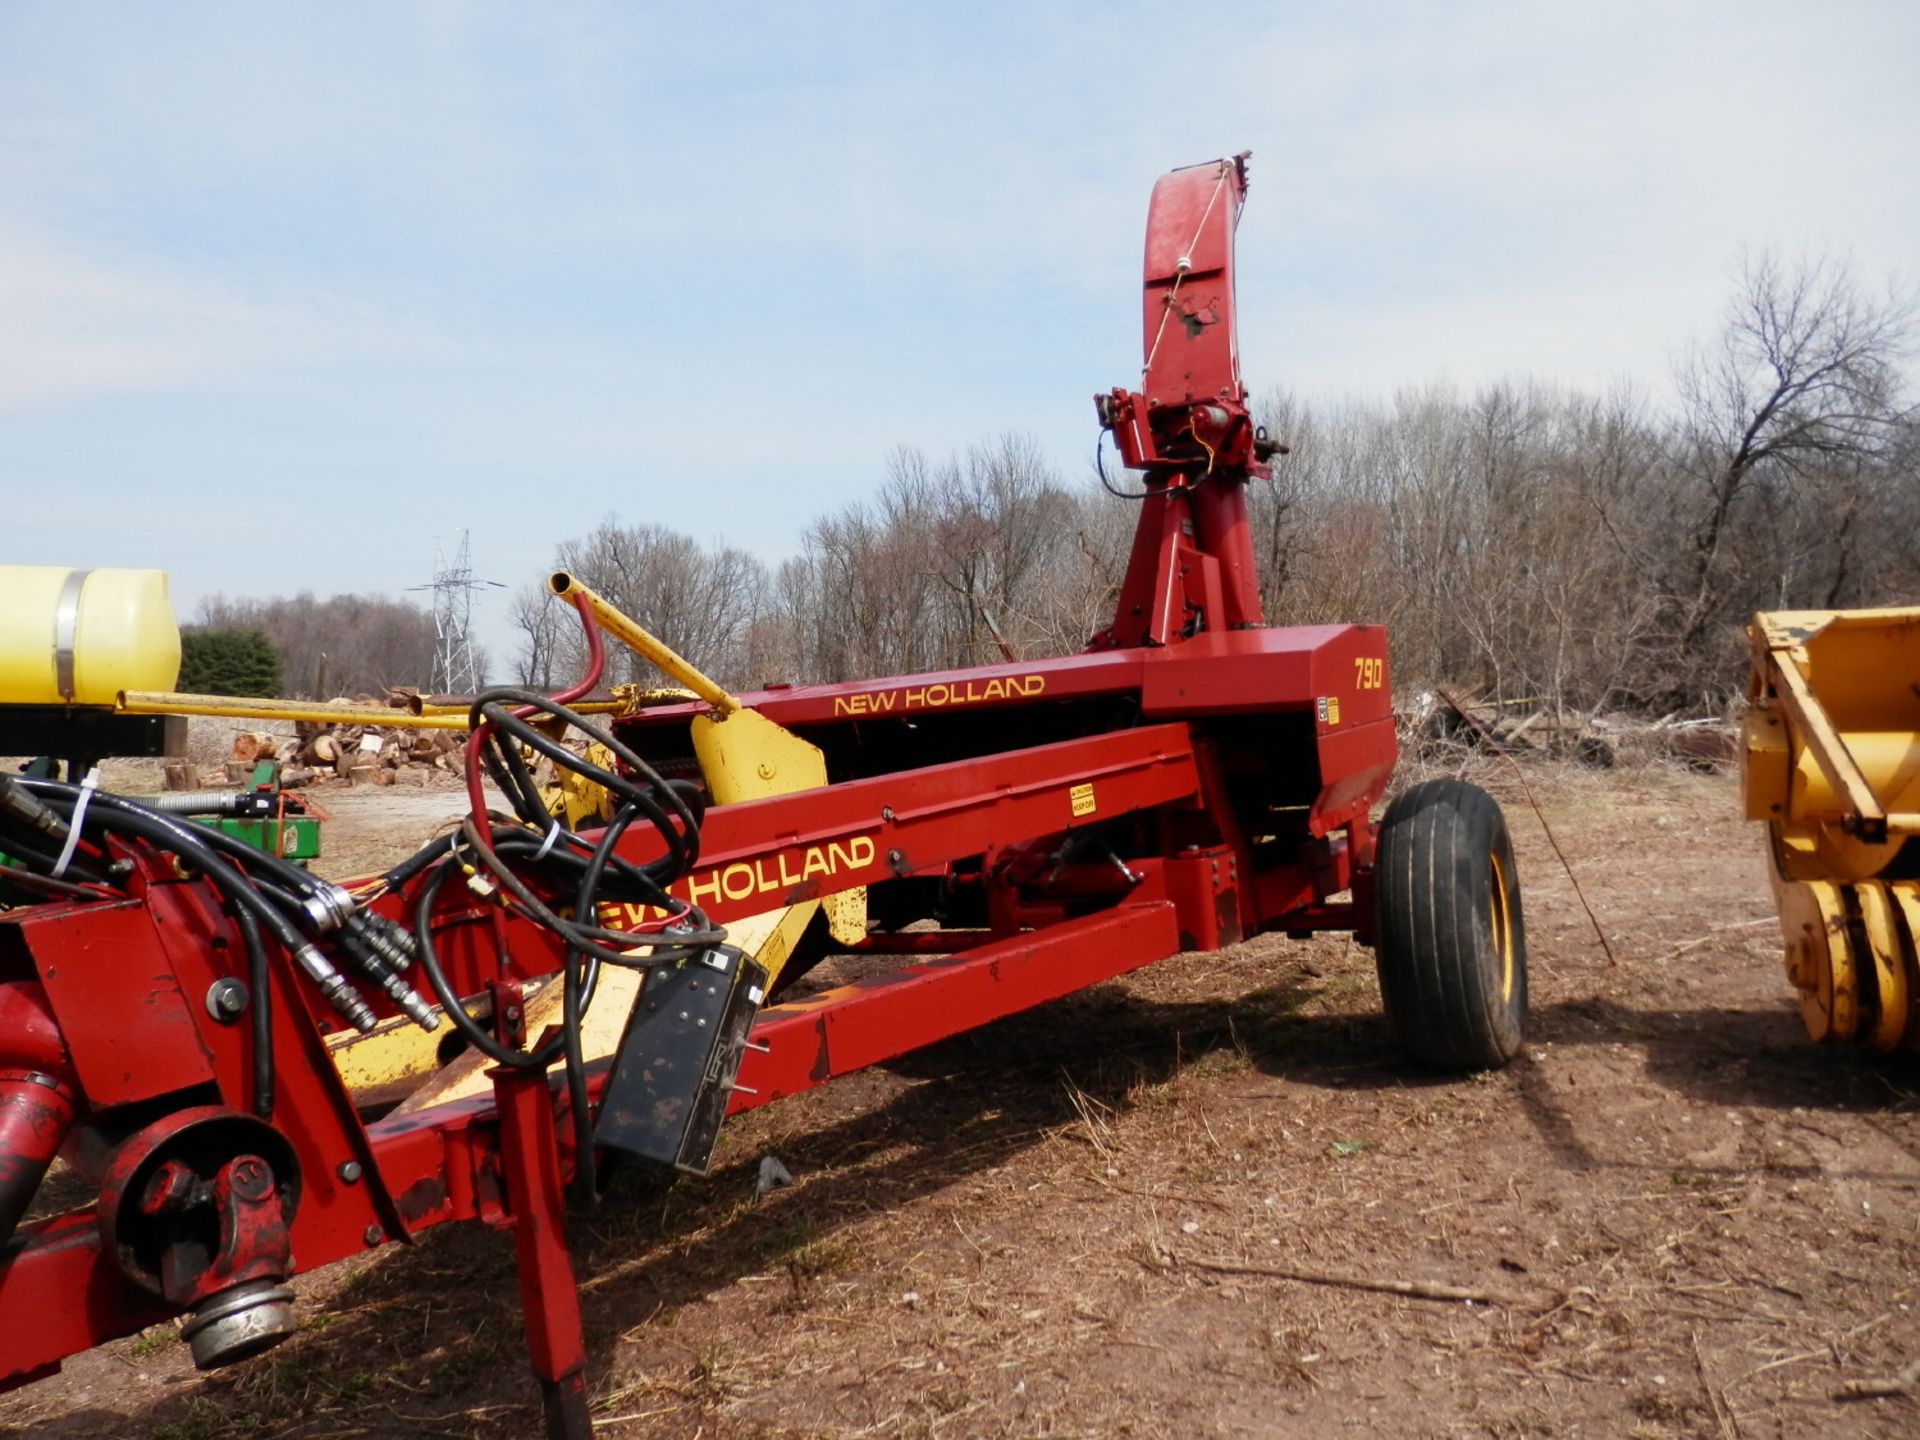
[674,1070]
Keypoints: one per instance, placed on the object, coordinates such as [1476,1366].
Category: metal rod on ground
[1527,790]
[1412,1289]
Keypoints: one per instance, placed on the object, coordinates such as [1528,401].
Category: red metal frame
[1192,779]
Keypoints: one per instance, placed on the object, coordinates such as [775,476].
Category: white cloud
[74,326]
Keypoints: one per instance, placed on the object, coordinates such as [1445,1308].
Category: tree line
[313,649]
[1580,551]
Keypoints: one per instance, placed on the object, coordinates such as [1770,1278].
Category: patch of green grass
[463,1360]
[821,1257]
[946,1401]
[1223,1060]
[154,1339]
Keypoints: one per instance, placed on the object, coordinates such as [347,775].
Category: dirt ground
[1681,1219]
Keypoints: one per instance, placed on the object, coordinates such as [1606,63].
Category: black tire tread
[1439,970]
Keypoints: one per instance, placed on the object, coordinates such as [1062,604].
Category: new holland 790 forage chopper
[198,1026]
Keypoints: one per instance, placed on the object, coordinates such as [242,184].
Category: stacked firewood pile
[322,754]
[375,754]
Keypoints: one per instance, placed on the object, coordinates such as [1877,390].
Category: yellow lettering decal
[703,890]
[1081,798]
[744,879]
[940,694]
[1369,672]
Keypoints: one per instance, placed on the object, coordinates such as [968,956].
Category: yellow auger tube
[1831,764]
[440,709]
[651,649]
[79,637]
[164,702]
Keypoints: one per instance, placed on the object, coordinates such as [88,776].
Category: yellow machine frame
[1832,766]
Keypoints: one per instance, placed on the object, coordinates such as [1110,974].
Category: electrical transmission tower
[454,671]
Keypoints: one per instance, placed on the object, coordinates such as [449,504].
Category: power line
[454,669]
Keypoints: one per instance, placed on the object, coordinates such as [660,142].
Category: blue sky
[285,290]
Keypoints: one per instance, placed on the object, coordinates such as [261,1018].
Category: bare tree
[542,623]
[1554,548]
[1802,386]
[701,600]
[345,645]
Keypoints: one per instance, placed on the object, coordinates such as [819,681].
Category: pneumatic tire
[1450,942]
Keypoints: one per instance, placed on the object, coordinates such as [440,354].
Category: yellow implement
[1831,764]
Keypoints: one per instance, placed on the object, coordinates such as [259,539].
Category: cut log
[182,775]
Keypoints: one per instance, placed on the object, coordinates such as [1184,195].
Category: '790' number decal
[1369,672]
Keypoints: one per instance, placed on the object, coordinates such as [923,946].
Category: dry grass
[989,1238]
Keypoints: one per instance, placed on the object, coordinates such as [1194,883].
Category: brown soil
[1685,1219]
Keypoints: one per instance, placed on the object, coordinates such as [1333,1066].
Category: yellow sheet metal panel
[1860,664]
[80,637]
[1766,765]
[1890,759]
[1881,928]
[746,756]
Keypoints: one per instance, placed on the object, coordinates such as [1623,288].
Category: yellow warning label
[1082,798]
[1329,709]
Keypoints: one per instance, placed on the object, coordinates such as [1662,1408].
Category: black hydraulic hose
[234,885]
[577,981]
[173,836]
[640,793]
[269,897]
[1100,467]
[259,981]
[682,842]
[414,864]
[475,1033]
[516,782]
[45,884]
[22,849]
[601,942]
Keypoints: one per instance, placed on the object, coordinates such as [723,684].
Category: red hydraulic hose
[596,666]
